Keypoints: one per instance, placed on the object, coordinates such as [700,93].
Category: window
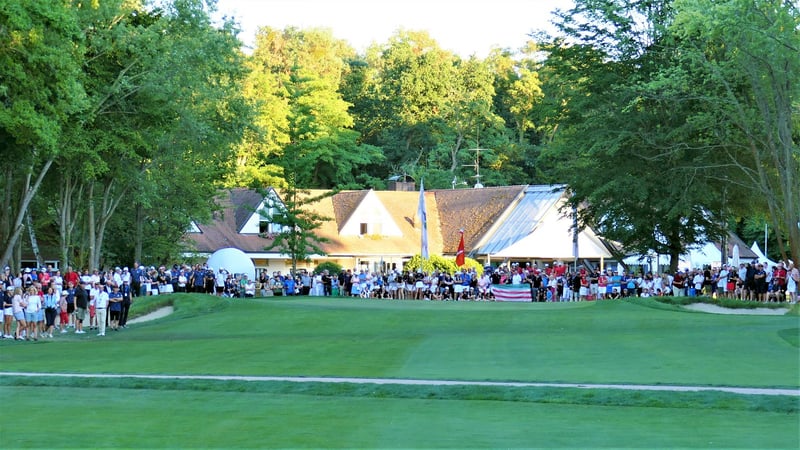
[363,229]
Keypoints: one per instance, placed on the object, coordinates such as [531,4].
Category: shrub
[441,264]
[330,266]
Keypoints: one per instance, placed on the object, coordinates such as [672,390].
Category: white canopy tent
[234,261]
[761,256]
[552,239]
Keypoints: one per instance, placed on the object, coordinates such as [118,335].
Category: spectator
[136,279]
[18,306]
[63,311]
[81,305]
[32,304]
[115,300]
[792,283]
[101,310]
[127,299]
[51,304]
[8,311]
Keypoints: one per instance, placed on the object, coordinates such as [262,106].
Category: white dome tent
[234,261]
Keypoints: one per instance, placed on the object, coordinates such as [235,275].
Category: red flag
[460,253]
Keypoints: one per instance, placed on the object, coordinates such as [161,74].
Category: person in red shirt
[779,278]
[602,286]
[71,276]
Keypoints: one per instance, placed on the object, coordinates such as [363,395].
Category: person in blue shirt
[115,307]
[288,284]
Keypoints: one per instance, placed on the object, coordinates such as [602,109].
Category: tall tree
[631,165]
[744,68]
[40,88]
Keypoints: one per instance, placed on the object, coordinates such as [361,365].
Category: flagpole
[422,213]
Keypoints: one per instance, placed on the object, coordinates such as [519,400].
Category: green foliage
[330,266]
[441,264]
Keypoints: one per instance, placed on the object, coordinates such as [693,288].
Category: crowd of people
[41,301]
[38,303]
[555,283]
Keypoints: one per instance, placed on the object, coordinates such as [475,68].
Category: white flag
[422,214]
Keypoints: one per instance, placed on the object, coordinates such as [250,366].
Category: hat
[63,293]
[9,288]
[125,269]
[27,270]
[117,269]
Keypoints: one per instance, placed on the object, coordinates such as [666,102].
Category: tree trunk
[34,242]
[68,206]
[138,233]
[28,192]
[98,222]
[91,227]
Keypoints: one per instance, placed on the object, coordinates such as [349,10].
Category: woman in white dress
[792,282]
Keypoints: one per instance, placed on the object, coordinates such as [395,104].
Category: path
[416,382]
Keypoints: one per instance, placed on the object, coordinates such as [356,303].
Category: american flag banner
[512,292]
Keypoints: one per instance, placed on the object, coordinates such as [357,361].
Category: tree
[632,165]
[744,68]
[40,89]
[312,61]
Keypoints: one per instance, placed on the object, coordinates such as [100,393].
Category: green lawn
[639,342]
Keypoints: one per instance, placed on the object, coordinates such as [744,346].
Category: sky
[465,27]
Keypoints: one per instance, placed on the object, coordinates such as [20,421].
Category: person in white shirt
[697,281]
[33,304]
[219,281]
[58,282]
[722,282]
[101,308]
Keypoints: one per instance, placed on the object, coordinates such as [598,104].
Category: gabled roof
[401,207]
[245,203]
[345,203]
[473,210]
[237,206]
[491,217]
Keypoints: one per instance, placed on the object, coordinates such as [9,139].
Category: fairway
[639,342]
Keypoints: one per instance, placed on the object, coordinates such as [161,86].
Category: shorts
[40,315]
[8,311]
[19,316]
[30,317]
[92,310]
[80,313]
[70,308]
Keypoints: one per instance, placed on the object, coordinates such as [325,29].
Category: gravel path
[416,382]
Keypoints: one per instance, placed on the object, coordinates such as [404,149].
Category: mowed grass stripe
[144,418]
[599,343]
